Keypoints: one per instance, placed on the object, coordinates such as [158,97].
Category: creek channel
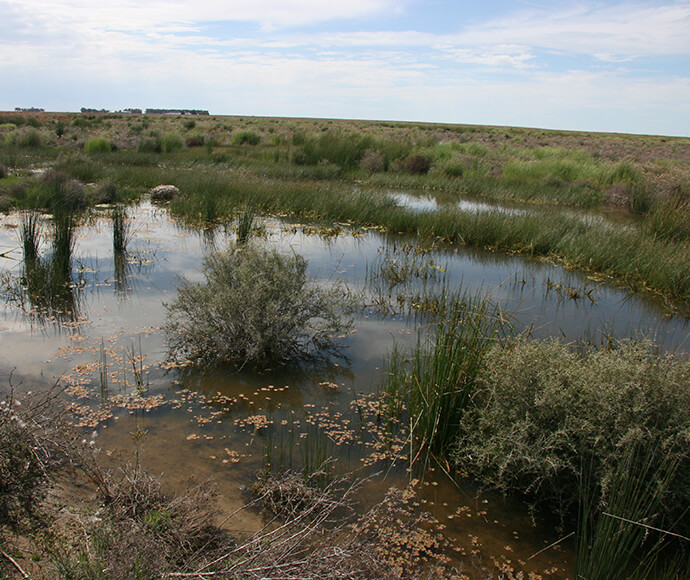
[102,340]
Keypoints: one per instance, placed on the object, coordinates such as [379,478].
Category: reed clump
[435,384]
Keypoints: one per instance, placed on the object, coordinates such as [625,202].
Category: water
[104,342]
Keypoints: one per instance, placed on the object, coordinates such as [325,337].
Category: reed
[623,538]
[121,229]
[437,383]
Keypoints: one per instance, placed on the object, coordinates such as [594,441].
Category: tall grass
[120,228]
[622,538]
[437,383]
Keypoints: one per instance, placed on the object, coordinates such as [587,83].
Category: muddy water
[104,343]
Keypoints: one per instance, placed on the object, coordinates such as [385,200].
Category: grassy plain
[614,205]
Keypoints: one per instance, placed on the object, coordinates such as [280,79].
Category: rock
[164,192]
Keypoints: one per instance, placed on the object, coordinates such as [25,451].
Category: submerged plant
[255,307]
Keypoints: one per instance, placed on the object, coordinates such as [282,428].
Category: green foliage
[344,150]
[614,539]
[670,220]
[59,193]
[150,145]
[97,145]
[105,192]
[541,409]
[246,138]
[439,381]
[171,142]
[255,307]
[29,138]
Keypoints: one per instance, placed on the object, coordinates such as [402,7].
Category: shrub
[59,192]
[171,142]
[416,165]
[28,138]
[542,409]
[3,171]
[255,307]
[246,138]
[28,449]
[97,145]
[105,192]
[150,145]
[195,141]
[373,161]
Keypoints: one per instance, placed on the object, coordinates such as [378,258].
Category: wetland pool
[102,340]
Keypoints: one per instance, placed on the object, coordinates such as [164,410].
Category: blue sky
[587,65]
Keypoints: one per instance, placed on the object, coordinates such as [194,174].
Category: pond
[102,340]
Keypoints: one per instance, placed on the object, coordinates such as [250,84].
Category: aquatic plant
[121,228]
[436,382]
[255,307]
[245,223]
[620,535]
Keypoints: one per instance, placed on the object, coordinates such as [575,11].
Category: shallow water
[104,343]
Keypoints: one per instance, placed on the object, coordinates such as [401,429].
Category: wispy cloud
[366,58]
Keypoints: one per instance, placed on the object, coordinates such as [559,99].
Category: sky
[590,65]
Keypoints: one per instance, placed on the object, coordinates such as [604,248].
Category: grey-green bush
[542,410]
[256,307]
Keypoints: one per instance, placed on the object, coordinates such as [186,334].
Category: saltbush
[543,413]
[257,307]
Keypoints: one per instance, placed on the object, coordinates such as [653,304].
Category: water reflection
[47,291]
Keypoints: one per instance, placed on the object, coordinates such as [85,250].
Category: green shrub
[255,307]
[373,161]
[58,192]
[150,145]
[105,192]
[246,138]
[195,141]
[97,145]
[542,409]
[3,171]
[416,165]
[28,138]
[171,142]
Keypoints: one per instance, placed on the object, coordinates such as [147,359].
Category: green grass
[338,171]
[436,382]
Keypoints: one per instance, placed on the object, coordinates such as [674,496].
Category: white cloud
[140,15]
[623,30]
